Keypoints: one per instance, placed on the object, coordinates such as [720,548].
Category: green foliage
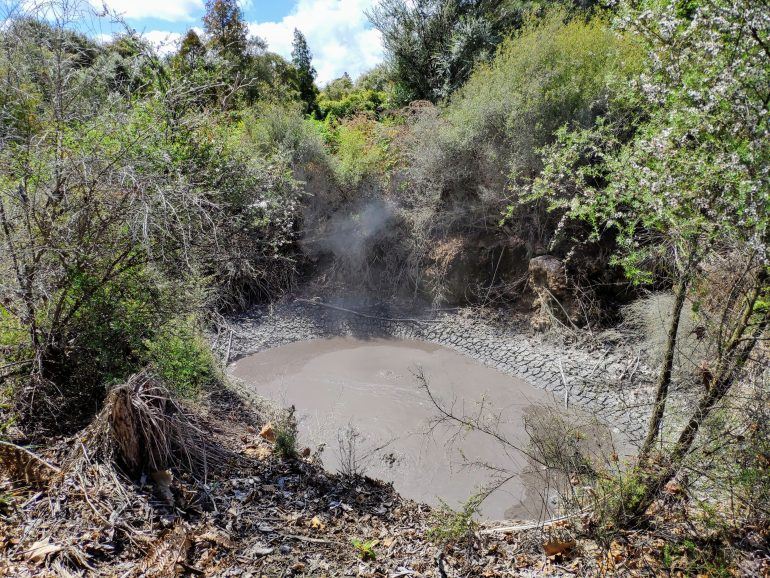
[302,59]
[550,74]
[278,131]
[183,358]
[350,103]
[7,503]
[449,526]
[362,150]
[13,334]
[692,559]
[377,79]
[434,45]
[616,500]
[675,166]
[108,329]
[487,140]
[118,179]
[286,441]
[225,28]
[365,549]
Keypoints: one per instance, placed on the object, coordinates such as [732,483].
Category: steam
[349,233]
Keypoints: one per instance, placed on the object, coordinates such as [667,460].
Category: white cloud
[337,31]
[169,10]
[163,41]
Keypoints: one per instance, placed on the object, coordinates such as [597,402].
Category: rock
[267,432]
[547,273]
[548,280]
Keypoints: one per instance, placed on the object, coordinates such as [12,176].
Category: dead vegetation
[154,487]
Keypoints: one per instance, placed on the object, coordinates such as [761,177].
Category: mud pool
[370,385]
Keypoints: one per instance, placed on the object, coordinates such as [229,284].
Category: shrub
[365,549]
[454,526]
[549,74]
[353,103]
[286,441]
[362,150]
[277,130]
[183,358]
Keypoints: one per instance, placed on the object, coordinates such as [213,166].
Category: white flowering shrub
[677,175]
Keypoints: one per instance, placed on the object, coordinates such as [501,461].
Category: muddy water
[370,385]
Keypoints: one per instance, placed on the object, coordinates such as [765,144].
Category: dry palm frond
[166,557]
[142,428]
[22,466]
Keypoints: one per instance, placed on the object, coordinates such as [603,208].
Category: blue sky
[338,32]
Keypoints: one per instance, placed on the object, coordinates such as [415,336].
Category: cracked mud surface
[603,376]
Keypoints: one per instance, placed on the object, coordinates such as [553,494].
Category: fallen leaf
[259,551]
[556,548]
[260,452]
[316,523]
[267,432]
[42,549]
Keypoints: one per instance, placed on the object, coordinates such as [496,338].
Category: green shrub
[549,74]
[357,101]
[183,358]
[286,441]
[454,526]
[365,549]
[362,150]
[281,130]
[616,500]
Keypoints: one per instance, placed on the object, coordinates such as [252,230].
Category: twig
[532,525]
[378,318]
[566,387]
[32,456]
[440,565]
[229,345]
[23,361]
[309,539]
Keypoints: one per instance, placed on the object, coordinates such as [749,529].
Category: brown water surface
[370,385]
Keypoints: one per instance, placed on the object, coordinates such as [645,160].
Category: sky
[338,32]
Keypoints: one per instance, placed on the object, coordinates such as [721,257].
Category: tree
[225,28]
[414,34]
[433,45]
[191,48]
[106,196]
[303,62]
[338,88]
[687,187]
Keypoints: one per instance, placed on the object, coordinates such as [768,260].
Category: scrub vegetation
[591,166]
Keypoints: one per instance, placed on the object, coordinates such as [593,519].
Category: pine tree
[225,27]
[303,62]
[191,48]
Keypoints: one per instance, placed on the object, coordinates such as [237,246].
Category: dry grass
[650,316]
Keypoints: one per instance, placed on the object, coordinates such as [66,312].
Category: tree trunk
[664,378]
[729,367]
